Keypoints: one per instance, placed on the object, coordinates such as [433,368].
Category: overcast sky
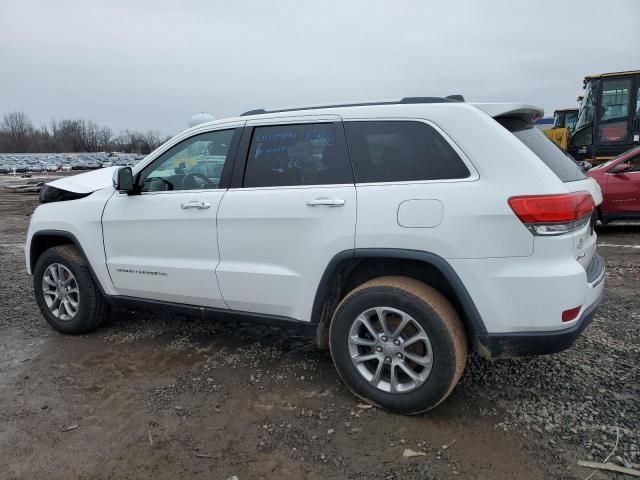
[153,64]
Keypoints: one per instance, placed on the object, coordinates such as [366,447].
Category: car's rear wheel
[65,291]
[398,343]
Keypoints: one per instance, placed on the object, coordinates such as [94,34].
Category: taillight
[553,214]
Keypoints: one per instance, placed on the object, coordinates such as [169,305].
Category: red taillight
[570,314]
[532,209]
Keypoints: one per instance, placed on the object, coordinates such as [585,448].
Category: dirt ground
[157,396]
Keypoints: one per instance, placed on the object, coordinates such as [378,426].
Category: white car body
[263,251]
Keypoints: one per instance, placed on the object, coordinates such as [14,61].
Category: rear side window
[560,162]
[289,155]
[390,151]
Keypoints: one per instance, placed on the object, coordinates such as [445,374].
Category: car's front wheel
[398,343]
[65,291]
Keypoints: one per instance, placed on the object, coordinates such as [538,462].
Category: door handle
[329,202]
[196,204]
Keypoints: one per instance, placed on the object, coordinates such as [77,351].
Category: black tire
[435,315]
[602,218]
[92,310]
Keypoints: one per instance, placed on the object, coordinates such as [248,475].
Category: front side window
[389,151]
[615,99]
[290,155]
[194,164]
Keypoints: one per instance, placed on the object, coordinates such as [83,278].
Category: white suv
[399,234]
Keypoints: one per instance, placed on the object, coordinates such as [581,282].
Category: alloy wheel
[61,291]
[390,349]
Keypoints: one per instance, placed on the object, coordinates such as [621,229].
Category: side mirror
[123,180]
[620,168]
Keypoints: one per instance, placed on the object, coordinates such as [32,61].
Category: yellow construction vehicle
[564,121]
[609,119]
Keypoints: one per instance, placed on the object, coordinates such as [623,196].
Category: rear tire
[432,365]
[65,291]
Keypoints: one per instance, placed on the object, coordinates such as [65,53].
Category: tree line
[18,135]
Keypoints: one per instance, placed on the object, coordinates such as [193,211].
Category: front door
[290,212]
[161,244]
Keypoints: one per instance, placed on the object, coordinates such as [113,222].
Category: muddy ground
[157,396]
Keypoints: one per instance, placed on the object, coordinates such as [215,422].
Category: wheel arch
[42,240]
[351,268]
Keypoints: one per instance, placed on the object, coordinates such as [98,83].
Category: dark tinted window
[556,159]
[287,155]
[389,151]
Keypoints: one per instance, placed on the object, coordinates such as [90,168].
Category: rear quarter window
[559,161]
[389,151]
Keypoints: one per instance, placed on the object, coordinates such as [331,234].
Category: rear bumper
[508,345]
[519,344]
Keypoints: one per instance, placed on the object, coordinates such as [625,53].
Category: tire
[424,307]
[91,309]
[602,218]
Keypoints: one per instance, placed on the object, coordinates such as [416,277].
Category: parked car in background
[619,180]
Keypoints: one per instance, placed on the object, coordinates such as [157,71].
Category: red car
[619,179]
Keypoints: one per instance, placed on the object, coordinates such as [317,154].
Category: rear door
[291,207]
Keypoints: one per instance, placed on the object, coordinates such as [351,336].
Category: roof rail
[405,100]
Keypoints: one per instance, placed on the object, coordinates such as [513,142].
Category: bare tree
[17,134]
[104,138]
[17,129]
[69,134]
[89,135]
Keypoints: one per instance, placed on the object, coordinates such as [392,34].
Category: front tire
[399,344]
[65,291]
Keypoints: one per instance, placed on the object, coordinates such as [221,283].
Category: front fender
[78,222]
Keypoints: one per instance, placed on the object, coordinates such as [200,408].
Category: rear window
[560,162]
[391,151]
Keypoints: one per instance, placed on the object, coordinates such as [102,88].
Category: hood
[86,183]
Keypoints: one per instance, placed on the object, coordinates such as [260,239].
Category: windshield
[585,117]
[559,161]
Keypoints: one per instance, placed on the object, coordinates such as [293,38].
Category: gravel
[255,400]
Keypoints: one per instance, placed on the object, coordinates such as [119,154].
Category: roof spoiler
[528,113]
